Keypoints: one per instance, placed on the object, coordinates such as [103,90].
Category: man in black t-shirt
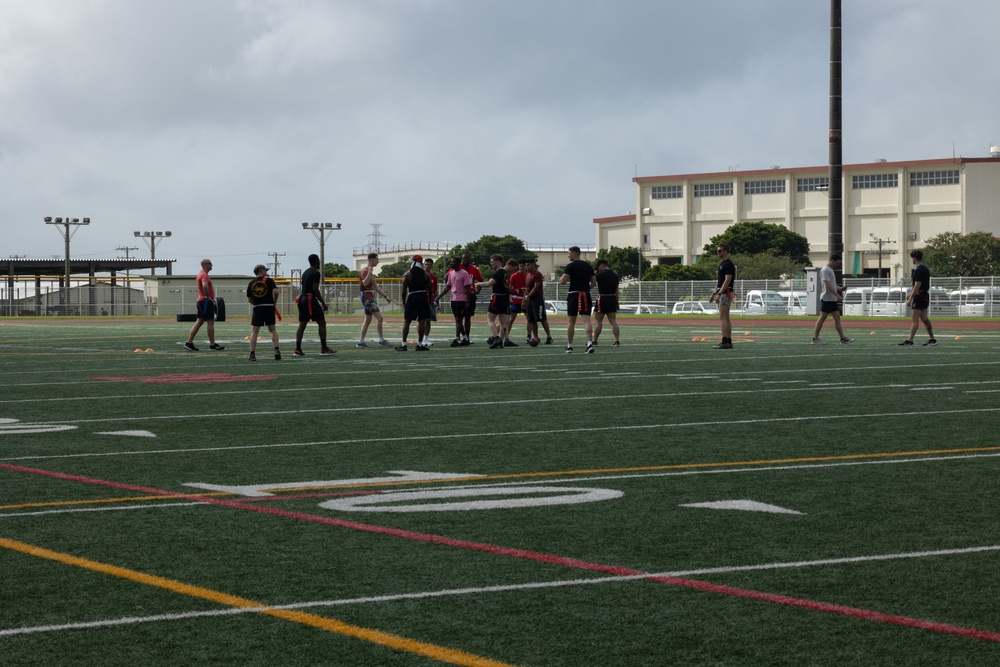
[919,300]
[580,276]
[262,293]
[723,293]
[499,311]
[607,300]
[415,304]
[311,307]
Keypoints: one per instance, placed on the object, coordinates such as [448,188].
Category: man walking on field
[830,299]
[919,300]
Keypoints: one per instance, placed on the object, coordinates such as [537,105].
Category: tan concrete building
[551,258]
[901,204]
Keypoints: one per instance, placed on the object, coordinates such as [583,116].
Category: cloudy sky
[230,122]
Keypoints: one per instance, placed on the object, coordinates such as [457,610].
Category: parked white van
[978,302]
[890,301]
[858,301]
[762,302]
[795,302]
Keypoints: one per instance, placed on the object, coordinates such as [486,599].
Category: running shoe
[930,343]
[723,346]
[326,352]
[362,343]
[456,343]
[299,353]
[190,347]
[277,355]
[509,343]
[496,344]
[845,340]
[465,341]
[216,347]
[423,348]
[817,341]
[548,341]
[906,343]
[615,344]
[252,357]
[384,343]
[569,348]
[590,348]
[401,348]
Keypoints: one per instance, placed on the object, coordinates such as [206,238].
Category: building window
[949,177]
[713,190]
[763,187]
[668,191]
[812,184]
[873,181]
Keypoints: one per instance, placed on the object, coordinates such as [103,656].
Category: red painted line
[721,589]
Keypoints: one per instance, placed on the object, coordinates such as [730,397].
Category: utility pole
[836,138]
[66,224]
[275,264]
[151,239]
[322,231]
[880,242]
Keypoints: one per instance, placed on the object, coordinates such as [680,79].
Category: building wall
[908,215]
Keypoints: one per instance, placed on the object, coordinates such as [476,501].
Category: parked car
[696,308]
[762,302]
[555,307]
[642,309]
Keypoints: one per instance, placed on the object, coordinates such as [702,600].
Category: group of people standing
[516,287]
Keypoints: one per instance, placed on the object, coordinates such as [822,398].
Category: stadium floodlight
[151,238]
[321,230]
[67,229]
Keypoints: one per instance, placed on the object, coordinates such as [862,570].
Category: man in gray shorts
[723,294]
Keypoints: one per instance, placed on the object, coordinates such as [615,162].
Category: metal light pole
[66,224]
[322,231]
[151,239]
[836,192]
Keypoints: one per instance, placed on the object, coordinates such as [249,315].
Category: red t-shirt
[477,277]
[518,287]
[432,280]
[531,279]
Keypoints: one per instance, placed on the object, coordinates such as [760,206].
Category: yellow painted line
[528,475]
[439,653]
[677,466]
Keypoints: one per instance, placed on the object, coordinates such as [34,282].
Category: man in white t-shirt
[830,300]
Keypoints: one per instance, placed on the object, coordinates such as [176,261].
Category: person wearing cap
[457,282]
[580,276]
[369,301]
[415,303]
[607,300]
[499,310]
[262,293]
[534,300]
[830,299]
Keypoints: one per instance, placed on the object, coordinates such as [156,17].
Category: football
[533,342]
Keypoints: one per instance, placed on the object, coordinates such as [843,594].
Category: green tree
[954,254]
[755,238]
[396,269]
[765,266]
[624,261]
[701,271]
[481,249]
[332,270]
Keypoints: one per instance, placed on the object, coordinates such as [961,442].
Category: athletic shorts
[499,304]
[579,303]
[727,298]
[434,311]
[206,310]
[417,307]
[515,308]
[470,306]
[606,304]
[535,310]
[458,309]
[829,306]
[920,301]
[309,308]
[263,316]
[370,305]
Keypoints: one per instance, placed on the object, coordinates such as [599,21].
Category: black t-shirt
[418,280]
[607,282]
[922,275]
[726,268]
[579,273]
[310,281]
[261,291]
[501,282]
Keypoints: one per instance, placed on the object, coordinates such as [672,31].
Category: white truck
[762,302]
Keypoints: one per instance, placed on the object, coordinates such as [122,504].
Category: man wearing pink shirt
[458,283]
[206,308]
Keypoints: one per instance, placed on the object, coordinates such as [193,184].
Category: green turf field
[661,503]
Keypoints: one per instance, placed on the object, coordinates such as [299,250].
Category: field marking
[550,559]
[439,653]
[500,588]
[494,434]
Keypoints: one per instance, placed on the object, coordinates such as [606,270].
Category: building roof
[818,169]
[20,266]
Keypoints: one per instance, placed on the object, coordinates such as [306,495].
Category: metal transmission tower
[375,238]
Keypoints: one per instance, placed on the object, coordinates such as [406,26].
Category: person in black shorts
[919,300]
[580,276]
[534,301]
[499,310]
[262,293]
[607,300]
[724,295]
[311,308]
[416,305]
